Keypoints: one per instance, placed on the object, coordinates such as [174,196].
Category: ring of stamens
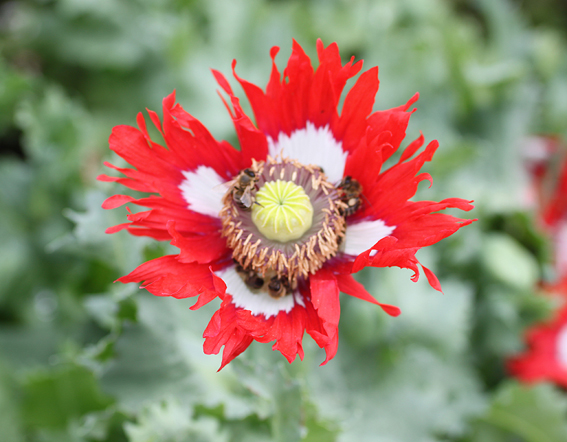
[289,258]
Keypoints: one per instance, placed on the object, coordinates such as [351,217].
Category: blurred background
[83,359]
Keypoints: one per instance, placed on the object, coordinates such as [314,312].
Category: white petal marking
[562,347]
[312,145]
[257,303]
[203,190]
[361,236]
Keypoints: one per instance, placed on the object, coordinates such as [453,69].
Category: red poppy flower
[276,229]
[546,357]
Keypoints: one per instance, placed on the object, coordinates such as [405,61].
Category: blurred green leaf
[10,419]
[536,413]
[163,352]
[509,262]
[51,398]
[318,430]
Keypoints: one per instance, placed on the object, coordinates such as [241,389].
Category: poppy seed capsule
[284,211]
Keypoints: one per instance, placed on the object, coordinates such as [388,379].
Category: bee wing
[223,187]
[246,198]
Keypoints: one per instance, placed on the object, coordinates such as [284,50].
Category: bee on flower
[307,204]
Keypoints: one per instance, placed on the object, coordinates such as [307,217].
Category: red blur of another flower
[545,358]
[274,288]
[546,159]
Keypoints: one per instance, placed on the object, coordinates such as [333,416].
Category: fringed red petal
[325,299]
[166,276]
[203,249]
[350,286]
[352,124]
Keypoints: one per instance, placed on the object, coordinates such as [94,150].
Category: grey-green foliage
[535,414]
[84,360]
[169,421]
[409,381]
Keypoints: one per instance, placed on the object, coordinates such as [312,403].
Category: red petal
[432,279]
[357,106]
[325,299]
[425,230]
[253,142]
[223,331]
[412,148]
[350,286]
[222,81]
[166,276]
[116,201]
[117,228]
[218,283]
[405,107]
[396,186]
[288,329]
[200,248]
[540,362]
[331,348]
[363,259]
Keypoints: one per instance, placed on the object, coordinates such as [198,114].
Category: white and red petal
[235,328]
[203,189]
[415,224]
[387,129]
[245,316]
[560,246]
[302,94]
[257,303]
[186,174]
[153,222]
[189,141]
[312,145]
[388,253]
[361,236]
